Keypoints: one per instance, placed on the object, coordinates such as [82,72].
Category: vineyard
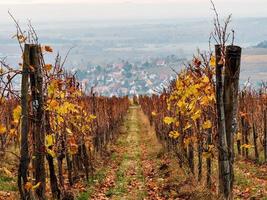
[203,137]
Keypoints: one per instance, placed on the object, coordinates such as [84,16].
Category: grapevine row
[187,120]
[52,119]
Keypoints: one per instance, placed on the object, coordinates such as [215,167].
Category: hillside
[262,44]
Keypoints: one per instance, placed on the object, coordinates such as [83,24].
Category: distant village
[125,78]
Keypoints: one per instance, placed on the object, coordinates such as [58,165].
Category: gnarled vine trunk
[227,102]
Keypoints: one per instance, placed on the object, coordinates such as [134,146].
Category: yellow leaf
[153,113]
[36,186]
[2,129]
[59,119]
[207,124]
[51,153]
[169,120]
[187,127]
[92,116]
[205,101]
[212,61]
[212,97]
[192,90]
[205,79]
[174,134]
[62,95]
[67,107]
[17,114]
[85,128]
[49,140]
[68,131]
[181,104]
[191,105]
[196,115]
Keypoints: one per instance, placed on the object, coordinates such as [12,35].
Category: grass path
[135,170]
[124,177]
[129,179]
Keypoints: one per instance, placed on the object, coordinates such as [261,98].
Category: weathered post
[38,126]
[231,86]
[227,104]
[223,159]
[24,145]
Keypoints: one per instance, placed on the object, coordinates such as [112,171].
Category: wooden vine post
[227,102]
[24,144]
[223,165]
[32,71]
[231,86]
[38,126]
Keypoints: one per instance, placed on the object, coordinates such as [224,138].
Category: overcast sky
[94,1]
[48,10]
[125,1]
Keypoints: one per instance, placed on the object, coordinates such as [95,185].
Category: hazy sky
[96,1]
[62,10]
[255,2]
[87,1]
